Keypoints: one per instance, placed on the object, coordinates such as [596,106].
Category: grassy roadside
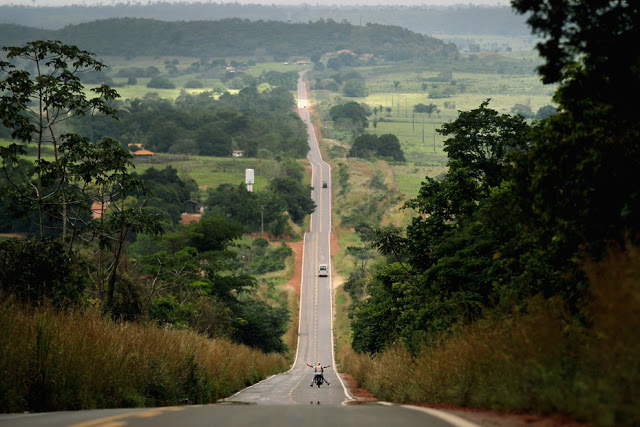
[66,361]
[539,362]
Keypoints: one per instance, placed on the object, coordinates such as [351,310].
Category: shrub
[36,271]
[193,84]
[273,260]
[539,359]
[62,361]
[160,83]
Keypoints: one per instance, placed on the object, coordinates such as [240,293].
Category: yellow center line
[112,421]
[295,387]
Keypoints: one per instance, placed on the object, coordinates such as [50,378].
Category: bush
[193,84]
[538,359]
[160,83]
[61,361]
[273,260]
[36,271]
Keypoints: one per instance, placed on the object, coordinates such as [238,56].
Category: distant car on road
[323,270]
[324,184]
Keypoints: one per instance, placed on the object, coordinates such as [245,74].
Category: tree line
[236,37]
[461,19]
[99,236]
[522,206]
[259,123]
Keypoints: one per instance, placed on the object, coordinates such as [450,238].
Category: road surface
[286,399]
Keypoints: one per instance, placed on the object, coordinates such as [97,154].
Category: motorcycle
[318,380]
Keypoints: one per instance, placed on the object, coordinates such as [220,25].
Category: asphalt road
[286,399]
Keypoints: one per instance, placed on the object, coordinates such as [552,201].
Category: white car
[323,270]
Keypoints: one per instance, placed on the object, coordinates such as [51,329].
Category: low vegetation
[514,283]
[54,360]
[539,360]
[179,313]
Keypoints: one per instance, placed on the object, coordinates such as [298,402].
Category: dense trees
[355,88]
[351,111]
[195,277]
[88,207]
[521,206]
[58,192]
[144,37]
[369,145]
[169,192]
[287,197]
[199,124]
[422,108]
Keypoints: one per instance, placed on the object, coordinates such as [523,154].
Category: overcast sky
[267,2]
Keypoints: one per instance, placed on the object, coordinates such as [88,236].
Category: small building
[238,153]
[98,208]
[144,153]
[135,145]
[191,207]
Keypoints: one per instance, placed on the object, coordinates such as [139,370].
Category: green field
[116,63]
[422,145]
[210,172]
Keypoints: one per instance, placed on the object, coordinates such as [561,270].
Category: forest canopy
[236,37]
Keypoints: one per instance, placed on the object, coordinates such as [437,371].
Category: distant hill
[236,37]
[429,20]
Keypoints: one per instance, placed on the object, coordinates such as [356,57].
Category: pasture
[394,90]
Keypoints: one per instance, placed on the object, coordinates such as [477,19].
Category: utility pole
[262,220]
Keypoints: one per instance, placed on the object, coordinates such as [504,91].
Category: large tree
[586,158]
[70,173]
[35,107]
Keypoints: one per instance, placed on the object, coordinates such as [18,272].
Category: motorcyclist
[319,372]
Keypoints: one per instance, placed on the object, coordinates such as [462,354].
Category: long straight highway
[286,399]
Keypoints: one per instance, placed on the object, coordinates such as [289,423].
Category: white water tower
[249,179]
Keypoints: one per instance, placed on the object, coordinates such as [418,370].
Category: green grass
[140,89]
[210,172]
[410,178]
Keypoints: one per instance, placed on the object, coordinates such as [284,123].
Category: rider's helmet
[318,363]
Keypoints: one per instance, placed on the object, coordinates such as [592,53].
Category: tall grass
[541,361]
[62,361]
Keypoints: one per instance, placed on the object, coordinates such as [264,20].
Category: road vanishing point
[285,399]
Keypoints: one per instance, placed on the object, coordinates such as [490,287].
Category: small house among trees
[192,206]
[143,155]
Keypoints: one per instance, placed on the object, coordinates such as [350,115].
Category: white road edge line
[333,353]
[445,416]
[295,360]
[333,350]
